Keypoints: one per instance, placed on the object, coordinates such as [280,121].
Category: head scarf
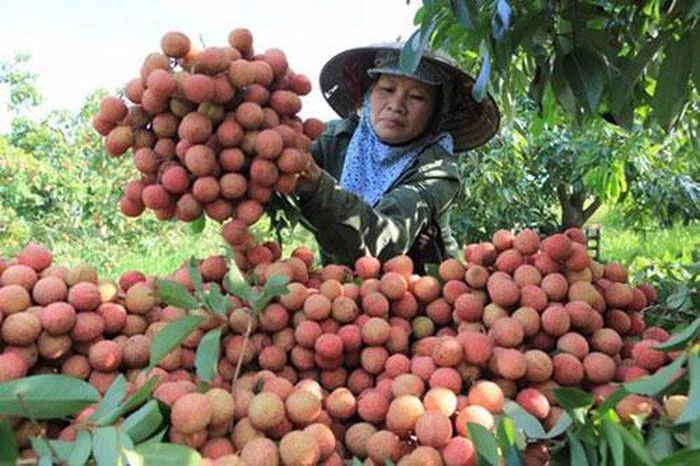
[372,166]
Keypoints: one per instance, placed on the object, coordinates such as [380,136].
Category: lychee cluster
[213,132]
[374,362]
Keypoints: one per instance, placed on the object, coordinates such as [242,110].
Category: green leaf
[562,89]
[143,422]
[672,82]
[163,453]
[216,301]
[625,81]
[655,384]
[125,441]
[275,286]
[577,455]
[171,336]
[413,49]
[561,426]
[140,395]
[682,458]
[9,451]
[461,11]
[356,461]
[681,339]
[45,448]
[500,23]
[634,445]
[195,276]
[524,420]
[157,437]
[572,398]
[108,410]
[482,80]
[485,443]
[433,270]
[174,294]
[611,401]
[694,433]
[207,355]
[692,409]
[617,447]
[507,442]
[586,75]
[235,283]
[106,446]
[46,396]
[82,447]
[660,442]
[198,225]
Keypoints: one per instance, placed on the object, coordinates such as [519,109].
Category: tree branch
[592,207]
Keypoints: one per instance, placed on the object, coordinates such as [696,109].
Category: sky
[78,46]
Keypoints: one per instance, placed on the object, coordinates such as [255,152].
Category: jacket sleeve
[347,227]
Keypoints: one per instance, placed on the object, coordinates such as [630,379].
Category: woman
[382,179]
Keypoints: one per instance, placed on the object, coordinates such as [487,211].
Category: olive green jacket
[346,227]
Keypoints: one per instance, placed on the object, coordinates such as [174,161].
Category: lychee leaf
[617,447]
[692,409]
[174,294]
[655,384]
[660,442]
[524,420]
[46,396]
[634,445]
[234,282]
[684,456]
[482,80]
[613,399]
[164,453]
[570,398]
[46,449]
[216,301]
[82,448]
[681,339]
[106,447]
[207,355]
[577,455]
[485,443]
[507,440]
[171,336]
[198,225]
[460,9]
[141,395]
[8,452]
[195,276]
[142,423]
[108,410]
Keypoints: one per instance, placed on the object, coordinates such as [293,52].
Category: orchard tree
[599,101]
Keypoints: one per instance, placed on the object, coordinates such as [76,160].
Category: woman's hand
[310,176]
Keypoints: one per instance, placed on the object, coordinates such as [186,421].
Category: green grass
[160,255]
[651,248]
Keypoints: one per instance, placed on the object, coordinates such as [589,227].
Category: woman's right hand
[310,176]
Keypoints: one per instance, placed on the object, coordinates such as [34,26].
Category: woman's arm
[347,227]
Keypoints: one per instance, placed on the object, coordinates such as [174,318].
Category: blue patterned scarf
[371,166]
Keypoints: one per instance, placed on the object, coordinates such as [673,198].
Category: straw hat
[346,77]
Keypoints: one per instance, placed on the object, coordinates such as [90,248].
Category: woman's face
[401,108]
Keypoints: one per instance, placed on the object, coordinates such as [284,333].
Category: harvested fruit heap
[376,362]
[213,131]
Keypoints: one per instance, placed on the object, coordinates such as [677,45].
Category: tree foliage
[561,73]
[633,61]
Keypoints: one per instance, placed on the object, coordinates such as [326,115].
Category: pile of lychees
[374,362]
[213,132]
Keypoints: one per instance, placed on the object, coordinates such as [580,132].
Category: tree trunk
[573,212]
